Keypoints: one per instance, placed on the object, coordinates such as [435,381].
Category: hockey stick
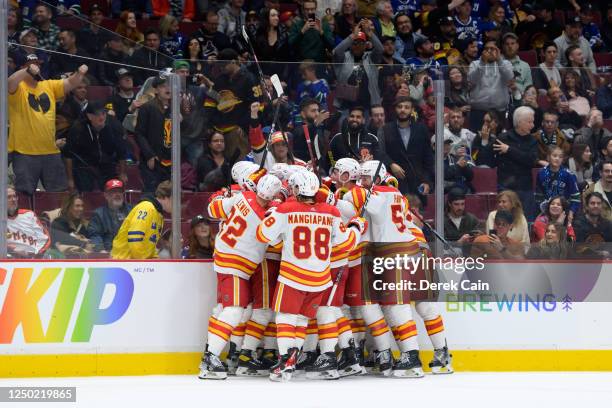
[365,202]
[262,83]
[437,235]
[279,90]
[313,159]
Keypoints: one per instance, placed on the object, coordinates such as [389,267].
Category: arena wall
[80,318]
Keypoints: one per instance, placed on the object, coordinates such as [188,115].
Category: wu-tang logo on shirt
[42,103]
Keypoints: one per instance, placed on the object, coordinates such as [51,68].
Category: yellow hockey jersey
[137,238]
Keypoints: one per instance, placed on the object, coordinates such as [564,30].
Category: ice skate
[305,361]
[384,362]
[408,366]
[211,368]
[269,357]
[348,363]
[232,359]
[325,368]
[250,366]
[441,363]
[284,368]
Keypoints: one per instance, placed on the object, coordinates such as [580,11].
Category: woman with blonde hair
[554,244]
[508,200]
[127,28]
[172,41]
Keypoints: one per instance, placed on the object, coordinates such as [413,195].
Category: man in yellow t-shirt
[31,145]
[138,235]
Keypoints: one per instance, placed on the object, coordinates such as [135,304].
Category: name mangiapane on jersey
[310,219]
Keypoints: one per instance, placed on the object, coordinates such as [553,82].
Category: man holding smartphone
[309,36]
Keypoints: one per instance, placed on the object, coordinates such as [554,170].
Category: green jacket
[311,44]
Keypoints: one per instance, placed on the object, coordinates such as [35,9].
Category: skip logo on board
[24,293]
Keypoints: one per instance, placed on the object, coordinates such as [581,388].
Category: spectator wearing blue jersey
[405,39]
[424,60]
[590,31]
[406,6]
[556,180]
[310,88]
[467,25]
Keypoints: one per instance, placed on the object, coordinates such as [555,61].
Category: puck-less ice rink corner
[131,334]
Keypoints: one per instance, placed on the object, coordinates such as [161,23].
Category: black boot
[211,368]
[305,361]
[269,357]
[325,368]
[232,359]
[348,363]
[250,366]
[409,365]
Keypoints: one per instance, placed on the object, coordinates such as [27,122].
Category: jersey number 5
[397,217]
[304,244]
[236,225]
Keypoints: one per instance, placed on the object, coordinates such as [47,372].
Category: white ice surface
[473,390]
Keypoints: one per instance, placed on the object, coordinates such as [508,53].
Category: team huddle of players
[288,259]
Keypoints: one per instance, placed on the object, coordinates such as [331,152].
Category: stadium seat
[25,201]
[560,17]
[133,197]
[46,201]
[134,179]
[93,200]
[193,204]
[485,180]
[543,102]
[99,93]
[189,28]
[477,204]
[608,124]
[530,57]
[104,5]
[70,23]
[534,175]
[603,59]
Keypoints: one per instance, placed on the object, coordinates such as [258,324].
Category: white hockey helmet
[350,166]
[281,170]
[294,169]
[268,187]
[369,169]
[304,184]
[238,168]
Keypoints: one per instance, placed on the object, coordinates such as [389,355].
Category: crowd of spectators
[528,86]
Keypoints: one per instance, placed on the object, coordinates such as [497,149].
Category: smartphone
[492,232]
[311,17]
[563,98]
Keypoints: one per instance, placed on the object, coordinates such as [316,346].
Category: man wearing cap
[572,35]
[95,147]
[521,70]
[93,37]
[29,45]
[32,107]
[425,60]
[46,31]
[459,225]
[231,18]
[351,52]
[112,52]
[106,220]
[154,136]
[123,100]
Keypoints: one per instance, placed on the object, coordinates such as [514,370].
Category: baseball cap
[420,41]
[95,107]
[446,20]
[455,194]
[159,80]
[490,26]
[586,8]
[121,72]
[113,184]
[509,35]
[180,64]
[276,137]
[197,220]
[95,7]
[573,21]
[361,37]
[285,16]
[26,32]
[503,215]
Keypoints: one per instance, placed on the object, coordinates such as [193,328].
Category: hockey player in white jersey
[237,254]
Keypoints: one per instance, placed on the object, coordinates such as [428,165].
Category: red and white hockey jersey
[308,231]
[388,209]
[25,233]
[237,251]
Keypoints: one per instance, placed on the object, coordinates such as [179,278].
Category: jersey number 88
[306,241]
